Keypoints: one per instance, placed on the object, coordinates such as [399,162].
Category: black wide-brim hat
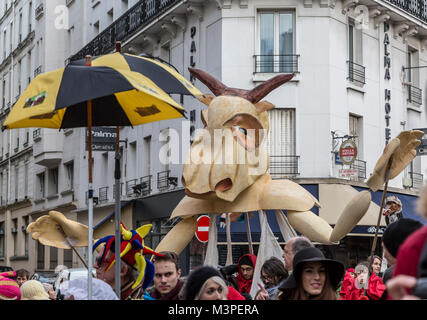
[335,269]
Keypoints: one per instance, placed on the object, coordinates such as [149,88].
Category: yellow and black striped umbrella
[59,99]
[163,75]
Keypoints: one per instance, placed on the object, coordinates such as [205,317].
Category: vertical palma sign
[387,78]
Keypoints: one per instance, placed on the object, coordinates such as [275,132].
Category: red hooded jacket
[243,284]
[375,289]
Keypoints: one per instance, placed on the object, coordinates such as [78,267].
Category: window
[356,70]
[96,27]
[25,234]
[164,153]
[132,160]
[40,255]
[20,28]
[16,183]
[281,143]
[53,258]
[277,42]
[30,17]
[40,192]
[355,130]
[69,168]
[4,43]
[68,258]
[413,77]
[2,241]
[53,182]
[15,237]
[147,156]
[26,172]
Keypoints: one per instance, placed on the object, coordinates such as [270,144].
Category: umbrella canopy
[58,99]
[161,74]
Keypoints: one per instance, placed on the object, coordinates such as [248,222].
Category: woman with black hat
[314,277]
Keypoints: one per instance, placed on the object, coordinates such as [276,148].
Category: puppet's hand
[401,151]
[54,229]
[405,153]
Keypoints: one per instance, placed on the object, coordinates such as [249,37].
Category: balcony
[163,180]
[280,63]
[37,134]
[360,165]
[415,95]
[417,180]
[140,15]
[139,187]
[103,194]
[416,8]
[48,147]
[356,73]
[284,167]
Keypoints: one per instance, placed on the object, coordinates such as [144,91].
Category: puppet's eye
[242,130]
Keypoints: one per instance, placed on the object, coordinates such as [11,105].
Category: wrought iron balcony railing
[417,180]
[356,72]
[284,166]
[415,95]
[139,187]
[103,194]
[360,165]
[163,180]
[280,63]
[37,133]
[416,8]
[140,15]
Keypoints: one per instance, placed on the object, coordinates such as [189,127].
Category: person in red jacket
[366,286]
[408,257]
[246,267]
[347,283]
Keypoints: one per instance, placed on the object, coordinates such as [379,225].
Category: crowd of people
[302,273]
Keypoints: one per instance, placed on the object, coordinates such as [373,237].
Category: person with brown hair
[167,284]
[314,277]
[375,264]
[273,274]
[22,275]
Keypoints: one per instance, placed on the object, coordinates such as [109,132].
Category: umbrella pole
[117,213]
[90,205]
[387,178]
[90,192]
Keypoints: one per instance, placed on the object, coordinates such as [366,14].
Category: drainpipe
[8,212]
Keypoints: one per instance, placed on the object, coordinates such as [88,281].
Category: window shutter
[281,138]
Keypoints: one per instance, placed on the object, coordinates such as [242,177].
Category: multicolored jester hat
[132,251]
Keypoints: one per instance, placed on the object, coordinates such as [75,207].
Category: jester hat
[132,251]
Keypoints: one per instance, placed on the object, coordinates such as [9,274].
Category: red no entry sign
[202,228]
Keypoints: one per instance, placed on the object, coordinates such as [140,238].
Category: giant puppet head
[229,154]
